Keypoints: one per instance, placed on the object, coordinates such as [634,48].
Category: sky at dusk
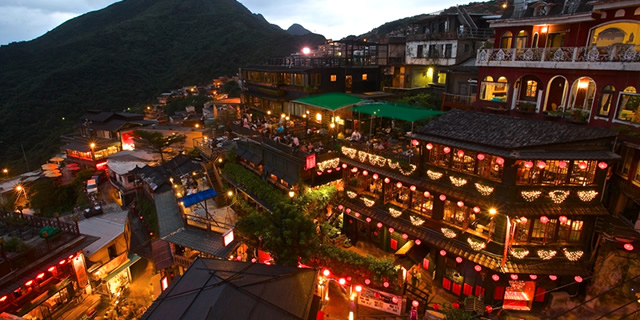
[22,20]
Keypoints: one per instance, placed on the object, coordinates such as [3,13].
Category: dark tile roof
[222,289]
[506,132]
[181,165]
[98,116]
[111,125]
[169,220]
[204,241]
[162,257]
[154,177]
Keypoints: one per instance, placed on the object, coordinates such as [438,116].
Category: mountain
[120,56]
[297,30]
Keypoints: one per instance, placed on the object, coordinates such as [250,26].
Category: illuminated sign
[310,162]
[127,140]
[227,237]
[81,272]
[165,283]
[380,300]
[101,165]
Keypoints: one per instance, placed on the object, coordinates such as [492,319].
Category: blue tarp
[192,199]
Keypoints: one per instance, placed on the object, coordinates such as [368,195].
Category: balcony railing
[182,261]
[619,57]
[458,101]
[323,62]
[465,34]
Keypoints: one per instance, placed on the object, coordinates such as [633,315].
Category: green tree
[231,88]
[426,100]
[156,142]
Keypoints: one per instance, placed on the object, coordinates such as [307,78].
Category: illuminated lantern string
[429,146]
[552,277]
[495,277]
[528,164]
[344,165]
[602,165]
[385,284]
[446,150]
[582,165]
[514,277]
[476,209]
[399,184]
[562,164]
[499,161]
[458,260]
[368,219]
[578,279]
[415,303]
[375,176]
[412,188]
[443,253]
[391,230]
[460,153]
[379,225]
[418,242]
[523,220]
[533,276]
[365,173]
[386,180]
[544,219]
[460,204]
[354,169]
[563,219]
[480,156]
[478,268]
[427,194]
[405,236]
[541,165]
[394,299]
[443,197]
[367,281]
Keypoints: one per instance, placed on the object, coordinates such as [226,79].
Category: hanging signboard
[228,237]
[310,162]
[380,300]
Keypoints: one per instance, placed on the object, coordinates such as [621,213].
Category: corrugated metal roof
[169,219]
[106,230]
[201,240]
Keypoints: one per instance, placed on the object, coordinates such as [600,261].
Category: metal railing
[579,55]
[456,101]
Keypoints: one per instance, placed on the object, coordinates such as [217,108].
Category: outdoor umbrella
[49,166]
[56,159]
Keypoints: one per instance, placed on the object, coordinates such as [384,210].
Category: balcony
[465,34]
[454,101]
[620,57]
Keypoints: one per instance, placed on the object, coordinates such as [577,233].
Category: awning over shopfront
[192,199]
[133,258]
[403,112]
[330,101]
[410,254]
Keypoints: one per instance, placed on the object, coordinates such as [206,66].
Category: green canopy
[403,112]
[329,101]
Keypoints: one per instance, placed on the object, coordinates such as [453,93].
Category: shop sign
[111,265]
[380,300]
[310,162]
[81,272]
[228,237]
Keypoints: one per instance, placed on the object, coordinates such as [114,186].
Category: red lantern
[28,283]
[458,260]
[337,168]
[628,246]
[552,277]
[528,164]
[365,173]
[375,176]
[582,165]
[342,281]
[348,210]
[460,153]
[514,277]
[415,142]
[563,219]
[358,288]
[344,165]
[578,279]
[354,169]
[326,272]
[446,150]
[499,161]
[443,253]
[562,164]
[415,303]
[541,165]
[429,146]
[602,165]
[418,242]
[533,276]
[357,214]
[394,299]
[495,277]
[405,236]
[523,220]
[544,219]
[391,230]
[477,267]
[367,219]
[489,309]
[436,306]
[456,305]
[427,194]
[386,180]
[329,171]
[460,204]
[480,156]
[319,173]
[379,225]
[412,188]
[399,185]
[476,209]
[385,284]
[443,197]
[367,281]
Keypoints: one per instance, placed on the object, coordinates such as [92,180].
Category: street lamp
[6,172]
[92,145]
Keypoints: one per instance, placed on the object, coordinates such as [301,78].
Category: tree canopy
[157,142]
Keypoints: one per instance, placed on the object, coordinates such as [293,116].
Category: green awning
[330,101]
[133,258]
[403,112]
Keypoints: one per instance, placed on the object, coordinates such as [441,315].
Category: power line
[616,309]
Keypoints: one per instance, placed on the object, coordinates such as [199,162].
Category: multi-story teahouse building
[506,206]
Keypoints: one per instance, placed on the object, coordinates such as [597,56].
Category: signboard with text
[228,237]
[380,300]
[310,162]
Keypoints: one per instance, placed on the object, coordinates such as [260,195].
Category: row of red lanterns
[563,164]
[41,275]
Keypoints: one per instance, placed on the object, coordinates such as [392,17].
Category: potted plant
[578,116]
[527,107]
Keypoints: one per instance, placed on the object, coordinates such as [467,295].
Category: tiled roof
[201,240]
[504,132]
[169,219]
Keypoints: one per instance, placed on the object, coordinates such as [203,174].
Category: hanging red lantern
[319,173]
[375,176]
[405,236]
[602,165]
[446,150]
[456,305]
[367,281]
[499,161]
[429,146]
[553,277]
[357,214]
[443,197]
[541,165]
[358,288]
[415,303]
[385,284]
[443,253]
[458,260]
[387,180]
[582,165]
[412,188]
[427,194]
[348,210]
[399,185]
[523,220]
[480,156]
[578,279]
[476,209]
[391,230]
[488,309]
[563,219]
[367,219]
[379,225]
[340,207]
[436,307]
[544,219]
[477,267]
[495,277]
[354,169]
[528,164]
[628,246]
[342,281]
[394,299]
[326,272]
[365,173]
[415,142]
[562,164]
[418,242]
[533,276]
[514,277]
[344,165]
[337,168]
[460,153]
[460,204]
[329,170]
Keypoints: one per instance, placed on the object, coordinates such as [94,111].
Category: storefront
[519,295]
[117,279]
